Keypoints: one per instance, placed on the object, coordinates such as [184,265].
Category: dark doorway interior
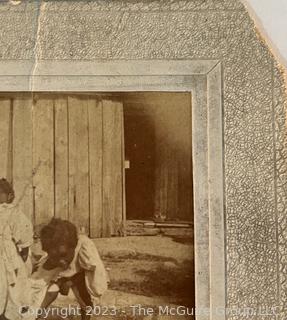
[157,134]
[140,176]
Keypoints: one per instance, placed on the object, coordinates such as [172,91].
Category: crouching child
[72,263]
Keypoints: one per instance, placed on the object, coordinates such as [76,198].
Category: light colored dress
[86,259]
[16,232]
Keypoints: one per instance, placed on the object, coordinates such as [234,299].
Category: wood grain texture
[61,158]
[112,168]
[22,155]
[95,111]
[172,187]
[5,138]
[43,156]
[124,213]
[78,162]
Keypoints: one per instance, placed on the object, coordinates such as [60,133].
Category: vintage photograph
[143,159]
[97,196]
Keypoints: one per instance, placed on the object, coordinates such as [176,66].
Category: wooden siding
[43,158]
[78,162]
[22,139]
[63,155]
[61,158]
[112,167]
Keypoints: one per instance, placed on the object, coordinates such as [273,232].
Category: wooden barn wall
[64,156]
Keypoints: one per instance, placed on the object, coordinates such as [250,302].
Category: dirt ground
[150,271]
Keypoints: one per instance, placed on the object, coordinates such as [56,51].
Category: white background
[271,15]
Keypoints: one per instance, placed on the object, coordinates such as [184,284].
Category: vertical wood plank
[61,159]
[173,177]
[5,109]
[95,112]
[124,213]
[43,158]
[78,163]
[185,170]
[112,168]
[22,155]
[172,186]
[161,171]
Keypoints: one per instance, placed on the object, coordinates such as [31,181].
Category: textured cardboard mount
[172,35]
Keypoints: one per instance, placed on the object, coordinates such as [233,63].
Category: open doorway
[158,157]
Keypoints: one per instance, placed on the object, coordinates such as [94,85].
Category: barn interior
[158,160]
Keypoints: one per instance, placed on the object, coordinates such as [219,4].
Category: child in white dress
[72,262]
[16,236]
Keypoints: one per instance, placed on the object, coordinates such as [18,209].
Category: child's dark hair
[6,187]
[58,232]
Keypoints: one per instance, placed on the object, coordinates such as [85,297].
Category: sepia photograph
[97,195]
[143,159]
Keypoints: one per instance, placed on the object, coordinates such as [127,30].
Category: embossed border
[203,79]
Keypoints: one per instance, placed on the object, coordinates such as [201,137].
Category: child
[16,236]
[73,262]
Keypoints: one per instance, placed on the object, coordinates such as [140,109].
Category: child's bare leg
[83,306]
[82,294]
[50,297]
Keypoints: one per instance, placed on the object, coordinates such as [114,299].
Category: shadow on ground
[151,275]
[148,271]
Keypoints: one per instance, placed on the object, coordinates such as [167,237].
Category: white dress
[16,232]
[86,259]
